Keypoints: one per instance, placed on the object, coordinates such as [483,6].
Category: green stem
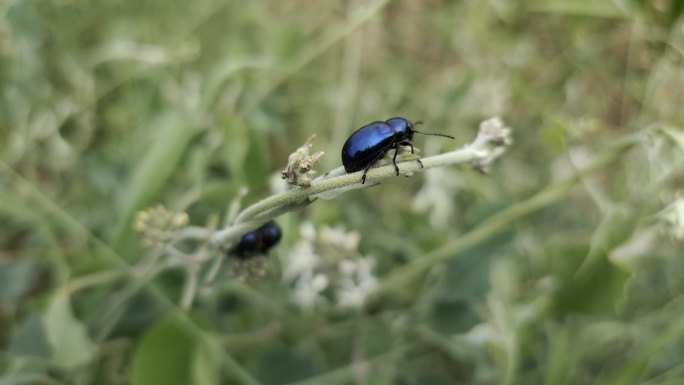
[296,198]
[95,279]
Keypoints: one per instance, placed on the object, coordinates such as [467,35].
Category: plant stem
[491,141]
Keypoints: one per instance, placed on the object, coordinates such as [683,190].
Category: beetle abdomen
[365,146]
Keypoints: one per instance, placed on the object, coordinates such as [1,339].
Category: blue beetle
[370,143]
[258,241]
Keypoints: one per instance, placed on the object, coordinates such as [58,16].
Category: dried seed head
[300,165]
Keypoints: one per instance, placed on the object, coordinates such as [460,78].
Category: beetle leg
[394,159]
[363,177]
[411,145]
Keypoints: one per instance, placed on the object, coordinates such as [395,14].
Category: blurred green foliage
[110,107]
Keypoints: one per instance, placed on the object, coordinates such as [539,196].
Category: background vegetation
[563,266]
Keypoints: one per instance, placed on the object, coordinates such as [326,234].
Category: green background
[534,274]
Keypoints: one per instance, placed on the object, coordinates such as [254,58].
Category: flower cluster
[325,268]
[251,270]
[158,224]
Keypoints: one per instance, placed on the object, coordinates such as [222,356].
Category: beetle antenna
[426,133]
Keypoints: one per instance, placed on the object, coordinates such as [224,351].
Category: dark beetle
[258,241]
[371,142]
[270,235]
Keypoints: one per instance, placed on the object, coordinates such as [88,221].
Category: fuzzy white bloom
[364,269]
[338,237]
[673,216]
[300,270]
[352,297]
[338,268]
[301,262]
[307,290]
[356,282]
[347,267]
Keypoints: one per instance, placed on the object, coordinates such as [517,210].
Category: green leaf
[280,365]
[68,339]
[257,158]
[206,364]
[15,279]
[452,315]
[236,148]
[164,356]
[28,338]
[553,135]
[169,354]
[615,227]
[561,356]
[29,347]
[594,290]
[173,137]
[422,371]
